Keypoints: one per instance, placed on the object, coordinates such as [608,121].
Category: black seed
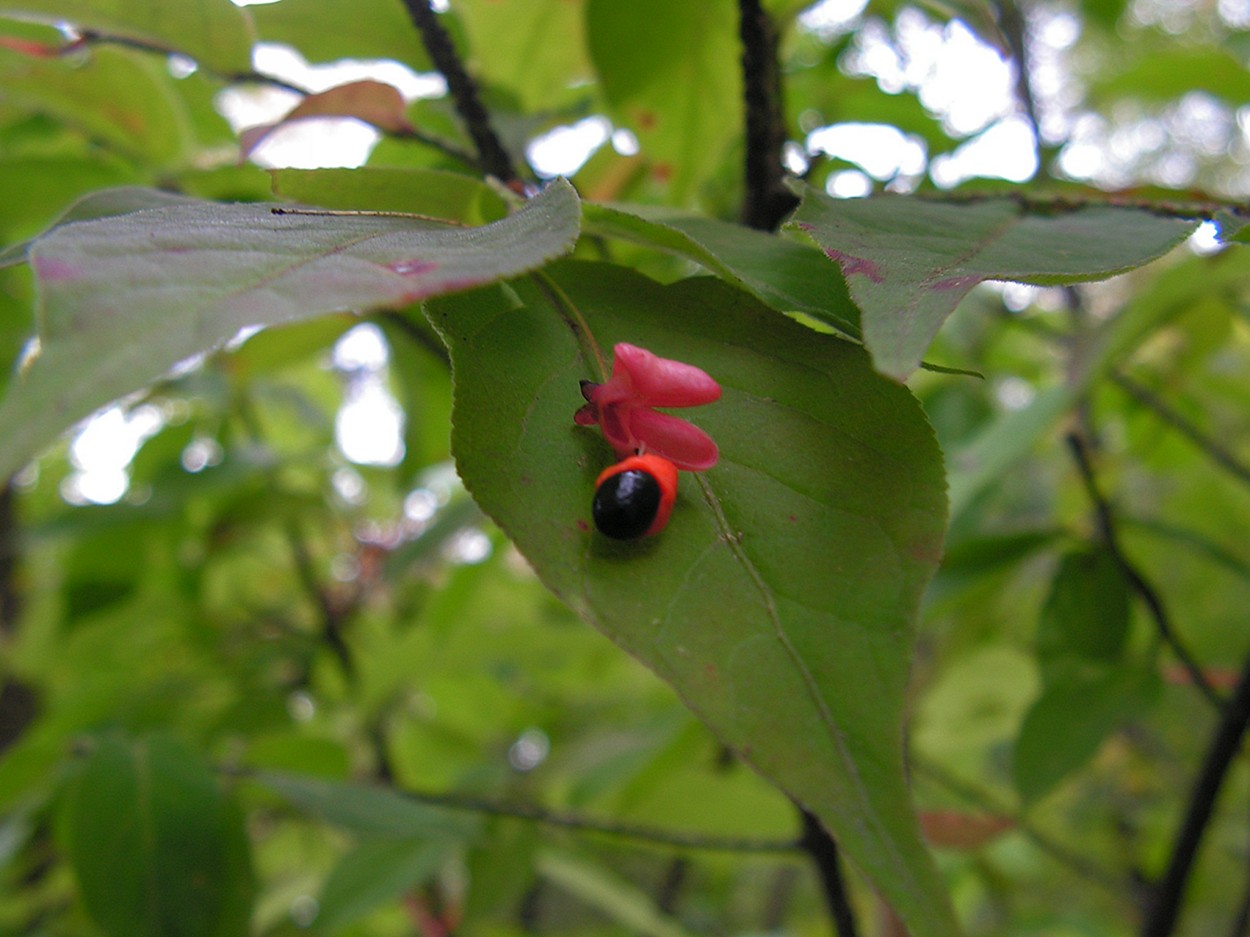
[625,504]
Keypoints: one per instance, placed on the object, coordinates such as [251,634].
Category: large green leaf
[158,848]
[122,98]
[533,48]
[670,71]
[909,261]
[780,600]
[217,35]
[325,30]
[126,298]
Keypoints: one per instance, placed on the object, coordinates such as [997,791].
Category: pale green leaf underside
[780,600]
[125,298]
[909,261]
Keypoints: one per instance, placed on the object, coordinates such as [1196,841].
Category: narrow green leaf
[366,810]
[217,35]
[619,900]
[780,600]
[784,274]
[978,463]
[187,277]
[376,873]
[909,261]
[1080,705]
[447,195]
[158,849]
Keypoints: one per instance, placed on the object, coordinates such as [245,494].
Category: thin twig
[493,158]
[571,821]
[1219,454]
[333,616]
[823,851]
[1136,581]
[767,199]
[1225,744]
[1015,29]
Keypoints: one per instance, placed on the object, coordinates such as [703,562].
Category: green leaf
[217,35]
[375,873]
[786,275]
[440,194]
[158,849]
[326,30]
[1166,72]
[670,71]
[619,900]
[367,810]
[187,277]
[123,98]
[978,463]
[780,600]
[1080,705]
[909,261]
[532,48]
[1086,615]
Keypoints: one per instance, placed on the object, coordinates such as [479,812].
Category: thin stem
[1218,453]
[767,199]
[1015,28]
[572,821]
[1224,746]
[574,319]
[823,851]
[333,616]
[493,158]
[1136,581]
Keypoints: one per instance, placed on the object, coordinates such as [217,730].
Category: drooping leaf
[126,298]
[780,600]
[217,35]
[159,850]
[909,261]
[785,274]
[671,73]
[374,102]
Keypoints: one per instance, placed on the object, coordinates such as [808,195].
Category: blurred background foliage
[255,598]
